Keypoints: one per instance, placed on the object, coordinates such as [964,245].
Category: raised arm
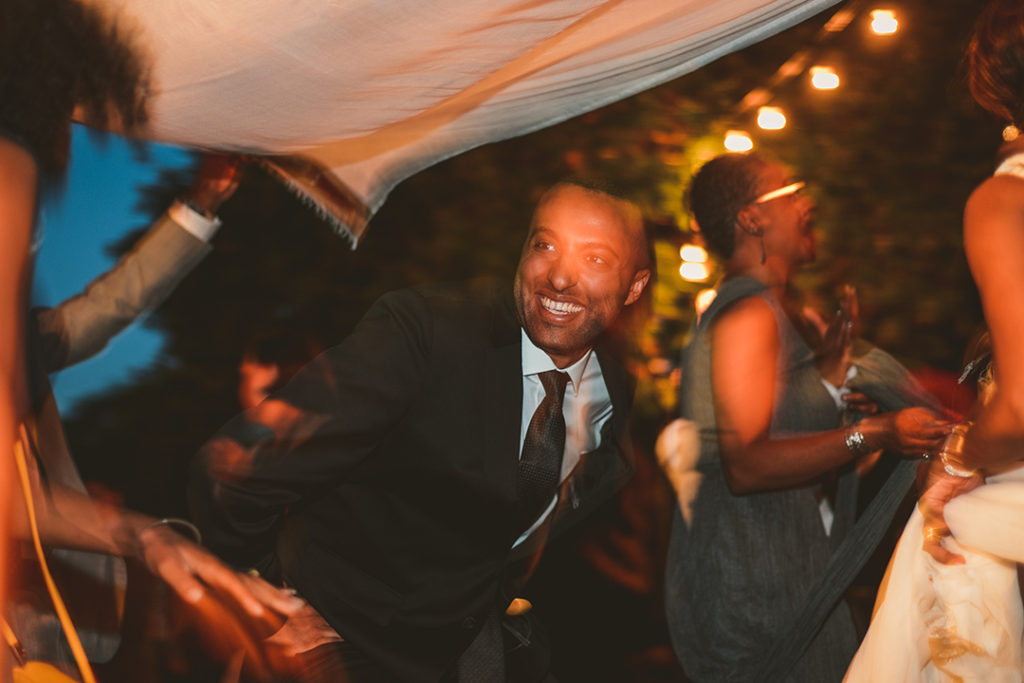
[744,360]
[82,325]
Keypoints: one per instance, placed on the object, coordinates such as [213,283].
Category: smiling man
[580,265]
[414,472]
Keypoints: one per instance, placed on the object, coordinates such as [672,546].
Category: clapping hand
[837,336]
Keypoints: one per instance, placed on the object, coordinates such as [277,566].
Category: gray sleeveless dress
[737,574]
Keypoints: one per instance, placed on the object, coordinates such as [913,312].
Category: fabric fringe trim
[321,190]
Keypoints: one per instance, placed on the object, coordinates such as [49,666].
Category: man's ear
[640,281]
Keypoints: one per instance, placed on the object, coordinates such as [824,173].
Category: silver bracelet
[953,449]
[856,443]
[182,526]
[955,469]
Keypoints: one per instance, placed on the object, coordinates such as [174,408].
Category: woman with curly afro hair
[56,56]
[61,59]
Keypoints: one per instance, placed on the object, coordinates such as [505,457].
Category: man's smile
[561,308]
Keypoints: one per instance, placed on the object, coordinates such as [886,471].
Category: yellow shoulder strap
[58,602]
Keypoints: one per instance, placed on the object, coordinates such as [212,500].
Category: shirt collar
[536,361]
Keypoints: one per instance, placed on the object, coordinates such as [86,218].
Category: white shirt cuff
[195,223]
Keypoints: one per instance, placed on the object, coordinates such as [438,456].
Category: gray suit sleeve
[888,383]
[81,326]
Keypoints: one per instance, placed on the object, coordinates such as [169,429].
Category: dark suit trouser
[526,659]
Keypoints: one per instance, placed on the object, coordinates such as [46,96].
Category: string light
[771,118]
[694,267]
[704,299]
[738,141]
[883,22]
[693,253]
[824,78]
[694,272]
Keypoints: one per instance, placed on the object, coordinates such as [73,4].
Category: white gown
[936,622]
[957,623]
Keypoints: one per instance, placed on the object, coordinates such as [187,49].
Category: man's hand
[860,403]
[837,336]
[302,632]
[216,181]
[940,488]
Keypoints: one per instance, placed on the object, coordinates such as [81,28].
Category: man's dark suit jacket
[398,474]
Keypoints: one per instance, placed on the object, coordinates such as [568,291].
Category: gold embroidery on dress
[946,646]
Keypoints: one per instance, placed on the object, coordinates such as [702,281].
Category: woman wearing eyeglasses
[757,534]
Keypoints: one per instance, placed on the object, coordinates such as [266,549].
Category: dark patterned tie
[540,469]
[540,466]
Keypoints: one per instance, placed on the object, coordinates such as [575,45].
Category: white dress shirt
[194,222]
[586,407]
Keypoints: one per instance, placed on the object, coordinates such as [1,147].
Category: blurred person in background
[767,408]
[269,360]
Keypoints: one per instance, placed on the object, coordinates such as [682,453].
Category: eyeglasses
[791,189]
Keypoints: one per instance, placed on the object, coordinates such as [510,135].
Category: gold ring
[933,534]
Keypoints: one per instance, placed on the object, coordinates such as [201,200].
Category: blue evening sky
[95,208]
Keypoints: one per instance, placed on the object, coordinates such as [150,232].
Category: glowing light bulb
[738,141]
[824,78]
[693,253]
[703,300]
[694,272]
[771,118]
[883,22]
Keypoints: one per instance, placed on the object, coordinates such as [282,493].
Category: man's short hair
[631,213]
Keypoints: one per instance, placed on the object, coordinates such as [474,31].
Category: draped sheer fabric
[369,92]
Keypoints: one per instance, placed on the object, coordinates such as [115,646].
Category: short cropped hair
[630,211]
[718,191]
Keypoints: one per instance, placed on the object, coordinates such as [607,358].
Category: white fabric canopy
[376,90]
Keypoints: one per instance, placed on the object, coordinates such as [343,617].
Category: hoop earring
[764,256]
